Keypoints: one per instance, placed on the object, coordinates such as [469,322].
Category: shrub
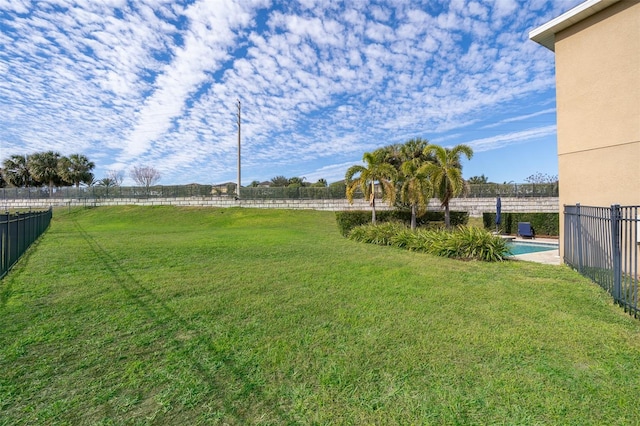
[463,243]
[380,234]
[543,223]
[347,220]
[476,243]
[406,239]
[457,218]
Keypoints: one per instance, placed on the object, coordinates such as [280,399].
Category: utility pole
[238,184]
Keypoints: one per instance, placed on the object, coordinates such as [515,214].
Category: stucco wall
[598,108]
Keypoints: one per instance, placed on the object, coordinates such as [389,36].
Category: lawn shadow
[6,290]
[161,314]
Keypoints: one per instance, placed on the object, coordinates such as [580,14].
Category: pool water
[518,247]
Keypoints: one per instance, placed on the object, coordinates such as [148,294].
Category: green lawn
[162,315]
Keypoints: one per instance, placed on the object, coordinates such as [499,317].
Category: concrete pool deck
[548,257]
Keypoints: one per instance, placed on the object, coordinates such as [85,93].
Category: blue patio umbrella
[498,212]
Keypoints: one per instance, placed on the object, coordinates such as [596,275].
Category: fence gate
[602,243]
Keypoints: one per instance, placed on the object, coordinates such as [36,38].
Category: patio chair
[525,230]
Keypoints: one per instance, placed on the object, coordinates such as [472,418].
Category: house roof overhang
[546,34]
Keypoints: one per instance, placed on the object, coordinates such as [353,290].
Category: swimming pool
[520,247]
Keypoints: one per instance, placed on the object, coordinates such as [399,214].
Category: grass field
[162,315]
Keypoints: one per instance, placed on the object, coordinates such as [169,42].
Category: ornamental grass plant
[465,242]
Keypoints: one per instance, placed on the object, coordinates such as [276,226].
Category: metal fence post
[4,242]
[616,252]
[578,222]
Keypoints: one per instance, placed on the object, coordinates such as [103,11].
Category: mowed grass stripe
[164,315]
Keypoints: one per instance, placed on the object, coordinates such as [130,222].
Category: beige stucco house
[597,53]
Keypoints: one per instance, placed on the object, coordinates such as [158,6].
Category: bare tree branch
[115,176]
[145,175]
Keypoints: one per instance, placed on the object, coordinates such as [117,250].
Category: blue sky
[155,82]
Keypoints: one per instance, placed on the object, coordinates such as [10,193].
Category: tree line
[536,178]
[292,182]
[51,169]
[47,168]
[410,173]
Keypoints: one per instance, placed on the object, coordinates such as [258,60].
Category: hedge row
[347,220]
[542,223]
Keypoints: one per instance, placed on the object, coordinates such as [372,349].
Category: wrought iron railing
[17,232]
[603,243]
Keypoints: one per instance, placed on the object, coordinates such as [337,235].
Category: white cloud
[156,81]
[19,6]
[504,8]
[499,141]
[520,118]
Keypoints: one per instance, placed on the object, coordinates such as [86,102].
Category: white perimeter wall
[475,206]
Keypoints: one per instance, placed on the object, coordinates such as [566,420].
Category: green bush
[406,239]
[475,243]
[463,243]
[542,223]
[457,218]
[381,234]
[347,220]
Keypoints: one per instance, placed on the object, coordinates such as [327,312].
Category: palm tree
[43,166]
[107,182]
[376,170]
[296,181]
[416,189]
[16,172]
[279,181]
[76,169]
[478,180]
[398,153]
[445,173]
[321,183]
[407,158]
[116,176]
[414,149]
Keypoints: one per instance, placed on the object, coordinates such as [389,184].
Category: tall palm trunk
[414,209]
[447,216]
[372,202]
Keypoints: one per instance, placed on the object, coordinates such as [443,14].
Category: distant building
[223,188]
[597,52]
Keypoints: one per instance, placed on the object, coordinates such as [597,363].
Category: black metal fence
[92,192]
[602,243]
[517,190]
[249,193]
[17,232]
[336,192]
